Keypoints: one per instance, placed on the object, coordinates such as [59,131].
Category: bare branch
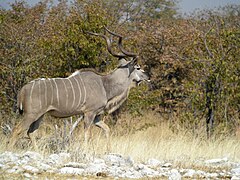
[205,43]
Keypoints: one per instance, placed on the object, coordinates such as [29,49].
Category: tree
[212,58]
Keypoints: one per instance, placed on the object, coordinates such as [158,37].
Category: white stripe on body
[85,91]
[65,87]
[31,92]
[57,90]
[51,91]
[45,92]
[73,92]
[79,93]
[40,100]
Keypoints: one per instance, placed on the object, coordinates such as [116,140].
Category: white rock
[27,175]
[235,178]
[150,172]
[29,157]
[5,167]
[30,169]
[216,161]
[163,171]
[75,165]
[71,170]
[222,174]
[8,157]
[114,171]
[129,161]
[174,175]
[15,169]
[58,159]
[1,166]
[236,171]
[190,173]
[139,166]
[115,160]
[53,159]
[145,170]
[212,175]
[153,163]
[32,155]
[43,166]
[95,168]
[98,161]
[23,161]
[132,174]
[200,173]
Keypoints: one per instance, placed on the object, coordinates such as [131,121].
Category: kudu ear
[122,62]
[132,64]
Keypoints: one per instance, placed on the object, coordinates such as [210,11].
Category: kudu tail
[20,98]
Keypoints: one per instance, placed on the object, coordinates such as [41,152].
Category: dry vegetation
[193,62]
[140,138]
[194,67]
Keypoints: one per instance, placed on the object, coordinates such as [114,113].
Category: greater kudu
[85,92]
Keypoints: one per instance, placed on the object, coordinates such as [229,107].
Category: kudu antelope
[85,92]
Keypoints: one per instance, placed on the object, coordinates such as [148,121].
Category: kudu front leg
[105,128]
[32,132]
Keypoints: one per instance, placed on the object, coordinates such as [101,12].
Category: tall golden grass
[141,138]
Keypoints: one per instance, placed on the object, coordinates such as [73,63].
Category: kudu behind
[85,93]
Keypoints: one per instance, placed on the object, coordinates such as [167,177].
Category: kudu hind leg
[20,128]
[34,126]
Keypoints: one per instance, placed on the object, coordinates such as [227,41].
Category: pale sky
[188,6]
[185,6]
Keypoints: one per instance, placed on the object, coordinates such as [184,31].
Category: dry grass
[140,138]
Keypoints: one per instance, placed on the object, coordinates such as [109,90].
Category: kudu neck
[117,83]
